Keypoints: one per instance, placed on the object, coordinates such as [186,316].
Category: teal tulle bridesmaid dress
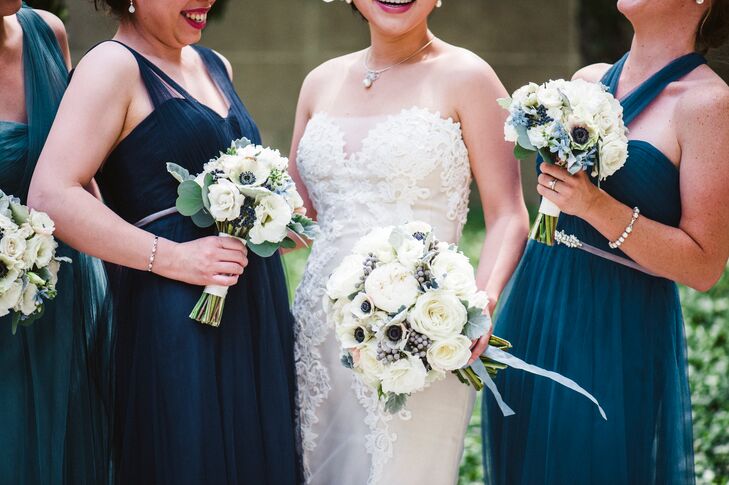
[53,374]
[607,324]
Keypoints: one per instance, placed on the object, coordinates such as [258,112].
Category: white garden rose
[41,223]
[510,133]
[549,96]
[46,250]
[27,304]
[273,159]
[368,365]
[480,299]
[392,286]
[410,252]
[450,353]
[273,215]
[13,245]
[7,224]
[526,95]
[225,200]
[438,314]
[404,376]
[613,154]
[453,271]
[377,242]
[10,296]
[347,277]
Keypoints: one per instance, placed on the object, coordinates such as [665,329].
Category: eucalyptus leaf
[523,139]
[181,174]
[202,219]
[265,249]
[522,153]
[288,243]
[207,182]
[189,198]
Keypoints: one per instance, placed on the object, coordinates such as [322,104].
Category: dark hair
[714,28]
[120,8]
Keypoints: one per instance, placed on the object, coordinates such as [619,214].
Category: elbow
[38,198]
[708,278]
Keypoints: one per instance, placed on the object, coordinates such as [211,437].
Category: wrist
[594,201]
[165,258]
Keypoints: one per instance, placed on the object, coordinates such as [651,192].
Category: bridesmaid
[194,404]
[613,321]
[52,413]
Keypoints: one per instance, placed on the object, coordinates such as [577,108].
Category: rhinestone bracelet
[619,242]
[153,255]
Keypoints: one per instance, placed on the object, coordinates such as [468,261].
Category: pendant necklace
[374,74]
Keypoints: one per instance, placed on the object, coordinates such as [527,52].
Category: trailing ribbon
[506,358]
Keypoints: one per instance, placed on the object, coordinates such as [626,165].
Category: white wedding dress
[362,173]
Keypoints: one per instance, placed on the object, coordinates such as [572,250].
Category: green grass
[707,330]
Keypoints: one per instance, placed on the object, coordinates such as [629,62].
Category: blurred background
[273,44]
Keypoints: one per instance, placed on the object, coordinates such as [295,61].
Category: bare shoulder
[56,25]
[468,75]
[226,63]
[593,72]
[325,75]
[108,66]
[704,100]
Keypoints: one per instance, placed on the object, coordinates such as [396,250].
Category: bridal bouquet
[248,194]
[574,124]
[28,262]
[406,309]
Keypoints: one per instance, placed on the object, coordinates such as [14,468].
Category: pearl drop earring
[131,6]
[439,3]
[699,2]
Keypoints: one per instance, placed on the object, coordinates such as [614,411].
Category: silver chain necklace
[374,74]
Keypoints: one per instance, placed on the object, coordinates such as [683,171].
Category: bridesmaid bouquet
[248,194]
[406,309]
[574,124]
[28,262]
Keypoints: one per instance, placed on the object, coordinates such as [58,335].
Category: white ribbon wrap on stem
[221,291]
[549,208]
[516,363]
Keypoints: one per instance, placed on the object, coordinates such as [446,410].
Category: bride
[384,136]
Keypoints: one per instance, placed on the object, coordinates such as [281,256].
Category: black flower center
[394,333]
[247,178]
[580,135]
[3,270]
[359,335]
[366,307]
[419,236]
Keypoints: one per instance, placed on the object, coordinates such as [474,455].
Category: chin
[640,9]
[395,17]
[9,7]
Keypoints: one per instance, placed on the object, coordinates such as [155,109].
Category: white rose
[453,271]
[549,97]
[28,303]
[410,252]
[273,159]
[367,364]
[525,95]
[392,286]
[13,245]
[434,376]
[347,277]
[225,200]
[10,297]
[404,376]
[273,215]
[613,155]
[7,224]
[539,135]
[438,314]
[41,223]
[377,242]
[510,133]
[46,250]
[480,299]
[450,354]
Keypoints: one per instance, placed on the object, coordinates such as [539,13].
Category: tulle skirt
[619,333]
[198,404]
[55,389]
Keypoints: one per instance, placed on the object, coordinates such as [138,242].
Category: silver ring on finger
[553,184]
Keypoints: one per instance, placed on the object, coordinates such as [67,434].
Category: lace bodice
[362,173]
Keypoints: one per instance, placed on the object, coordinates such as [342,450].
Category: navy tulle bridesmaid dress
[195,404]
[609,325]
[54,386]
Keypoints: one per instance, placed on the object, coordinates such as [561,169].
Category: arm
[95,109]
[303,113]
[497,175]
[694,253]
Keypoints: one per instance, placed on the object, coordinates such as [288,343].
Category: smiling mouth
[196,18]
[396,3]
